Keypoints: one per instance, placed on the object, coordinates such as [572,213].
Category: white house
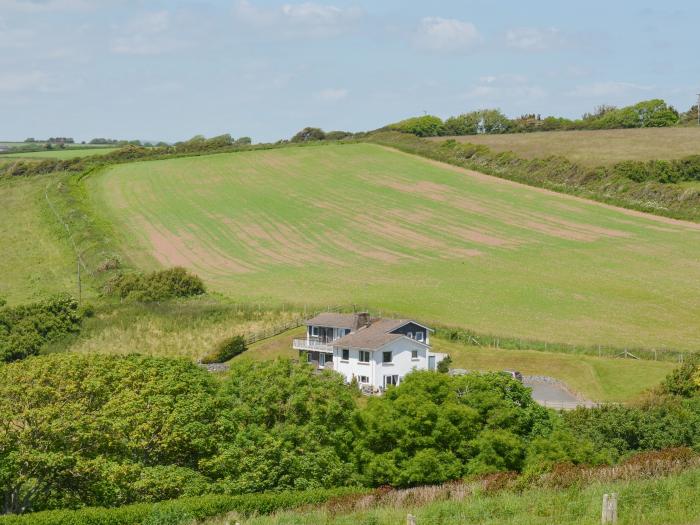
[377,352]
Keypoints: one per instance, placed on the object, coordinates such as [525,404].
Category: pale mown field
[35,261]
[596,148]
[360,224]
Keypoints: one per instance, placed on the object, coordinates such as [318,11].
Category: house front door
[431,362]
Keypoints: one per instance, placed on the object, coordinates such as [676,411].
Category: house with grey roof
[374,351]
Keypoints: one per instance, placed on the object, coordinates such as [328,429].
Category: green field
[361,224]
[68,153]
[595,148]
[35,262]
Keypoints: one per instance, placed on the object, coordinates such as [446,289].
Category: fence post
[609,511]
[410,519]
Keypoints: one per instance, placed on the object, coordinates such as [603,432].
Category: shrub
[156,286]
[683,381]
[426,126]
[25,329]
[226,350]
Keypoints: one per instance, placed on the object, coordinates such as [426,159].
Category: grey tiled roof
[373,336]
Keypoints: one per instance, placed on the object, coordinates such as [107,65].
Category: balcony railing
[310,344]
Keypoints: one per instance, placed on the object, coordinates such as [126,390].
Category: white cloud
[306,19]
[13,37]
[332,95]
[607,89]
[446,34]
[534,39]
[146,35]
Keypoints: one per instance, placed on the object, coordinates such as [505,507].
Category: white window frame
[364,380]
[414,355]
[342,354]
[314,331]
[419,336]
[367,353]
[409,335]
[391,357]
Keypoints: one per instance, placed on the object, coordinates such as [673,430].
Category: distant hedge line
[645,186]
[186,508]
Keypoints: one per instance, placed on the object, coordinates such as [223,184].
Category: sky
[168,70]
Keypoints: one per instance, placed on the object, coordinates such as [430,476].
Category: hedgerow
[226,350]
[195,508]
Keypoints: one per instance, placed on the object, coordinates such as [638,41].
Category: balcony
[312,345]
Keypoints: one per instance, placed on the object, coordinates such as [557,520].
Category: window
[364,356]
[364,379]
[419,336]
[386,357]
[414,354]
[347,331]
[391,380]
[346,354]
[309,358]
[410,335]
[314,331]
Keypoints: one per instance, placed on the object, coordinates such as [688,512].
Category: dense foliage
[226,350]
[155,286]
[103,430]
[645,186]
[25,329]
[646,114]
[106,431]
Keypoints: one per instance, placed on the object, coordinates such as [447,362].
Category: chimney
[361,319]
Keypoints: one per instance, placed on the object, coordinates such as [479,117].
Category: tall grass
[670,499]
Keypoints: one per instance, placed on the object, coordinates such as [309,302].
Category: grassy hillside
[366,225]
[595,148]
[35,260]
[68,153]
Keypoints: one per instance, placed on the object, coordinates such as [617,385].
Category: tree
[309,134]
[287,427]
[103,430]
[465,124]
[435,427]
[243,141]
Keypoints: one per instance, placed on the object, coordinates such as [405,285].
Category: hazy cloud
[332,95]
[534,39]
[27,81]
[500,89]
[446,34]
[35,6]
[146,35]
[607,89]
[307,19]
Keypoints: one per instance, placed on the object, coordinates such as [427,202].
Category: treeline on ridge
[646,114]
[100,430]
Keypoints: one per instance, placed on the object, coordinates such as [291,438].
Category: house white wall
[402,362]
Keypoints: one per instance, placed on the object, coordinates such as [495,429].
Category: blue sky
[160,70]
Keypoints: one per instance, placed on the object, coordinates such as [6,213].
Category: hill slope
[366,225]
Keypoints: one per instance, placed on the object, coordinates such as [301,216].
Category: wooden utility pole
[609,512]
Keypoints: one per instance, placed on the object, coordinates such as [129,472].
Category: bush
[426,126]
[25,329]
[156,286]
[309,134]
[444,366]
[226,350]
